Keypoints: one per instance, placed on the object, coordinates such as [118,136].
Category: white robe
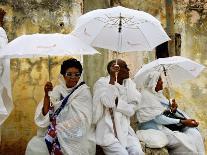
[128,100]
[188,142]
[73,123]
[6,104]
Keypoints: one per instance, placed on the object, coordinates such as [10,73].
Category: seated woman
[151,116]
[72,124]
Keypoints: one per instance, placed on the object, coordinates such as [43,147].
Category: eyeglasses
[70,75]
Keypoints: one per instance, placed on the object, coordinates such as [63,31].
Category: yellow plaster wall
[28,76]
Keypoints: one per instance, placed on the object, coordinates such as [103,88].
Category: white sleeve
[41,120]
[125,108]
[108,96]
[162,119]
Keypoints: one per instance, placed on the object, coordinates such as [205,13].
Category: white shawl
[150,106]
[73,122]
[128,91]
[128,100]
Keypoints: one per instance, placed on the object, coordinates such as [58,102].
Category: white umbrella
[46,44]
[27,46]
[120,29]
[177,69]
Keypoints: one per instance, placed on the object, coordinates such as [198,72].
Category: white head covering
[63,83]
[150,106]
[151,81]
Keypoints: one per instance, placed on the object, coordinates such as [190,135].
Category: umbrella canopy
[120,29]
[46,44]
[177,69]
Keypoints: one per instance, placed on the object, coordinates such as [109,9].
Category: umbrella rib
[135,24]
[110,20]
[126,20]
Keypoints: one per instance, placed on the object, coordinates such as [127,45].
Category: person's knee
[110,151]
[124,152]
[135,151]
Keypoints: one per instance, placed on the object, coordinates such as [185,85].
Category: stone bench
[148,151]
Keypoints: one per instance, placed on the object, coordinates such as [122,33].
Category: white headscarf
[150,106]
[151,81]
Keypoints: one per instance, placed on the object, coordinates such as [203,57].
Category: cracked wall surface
[28,76]
[46,16]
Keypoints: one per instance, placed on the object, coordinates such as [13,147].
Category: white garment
[128,100]
[6,104]
[149,108]
[37,146]
[3,38]
[73,122]
[118,149]
[187,142]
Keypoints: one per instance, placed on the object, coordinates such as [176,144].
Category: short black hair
[110,64]
[72,62]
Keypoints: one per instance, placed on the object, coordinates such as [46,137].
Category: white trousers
[197,139]
[188,142]
[37,146]
[117,149]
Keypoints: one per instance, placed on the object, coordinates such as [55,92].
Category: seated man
[113,104]
[151,115]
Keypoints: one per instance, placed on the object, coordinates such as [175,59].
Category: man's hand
[113,73]
[190,122]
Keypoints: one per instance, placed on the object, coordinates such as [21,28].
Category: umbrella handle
[116,74]
[49,67]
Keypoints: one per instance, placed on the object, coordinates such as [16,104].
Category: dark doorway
[162,50]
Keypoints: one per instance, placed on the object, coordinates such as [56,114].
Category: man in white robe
[113,104]
[73,122]
[150,116]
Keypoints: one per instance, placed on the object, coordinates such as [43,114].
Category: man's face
[124,70]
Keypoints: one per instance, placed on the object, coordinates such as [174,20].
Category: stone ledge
[147,150]
[150,151]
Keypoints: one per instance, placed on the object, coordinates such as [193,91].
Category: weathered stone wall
[191,23]
[29,75]
[47,16]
